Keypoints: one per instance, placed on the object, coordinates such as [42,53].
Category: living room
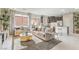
[39,29]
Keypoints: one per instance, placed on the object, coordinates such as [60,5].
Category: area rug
[40,46]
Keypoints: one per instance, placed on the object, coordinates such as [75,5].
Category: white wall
[68,21]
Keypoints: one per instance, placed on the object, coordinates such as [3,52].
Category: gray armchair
[49,36]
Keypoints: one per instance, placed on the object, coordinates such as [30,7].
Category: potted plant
[5,18]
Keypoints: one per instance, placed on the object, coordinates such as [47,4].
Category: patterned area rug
[40,46]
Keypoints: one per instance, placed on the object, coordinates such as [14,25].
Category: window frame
[16,26]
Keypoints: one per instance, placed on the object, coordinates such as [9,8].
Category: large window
[21,20]
[35,21]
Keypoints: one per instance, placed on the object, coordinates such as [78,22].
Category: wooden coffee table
[26,38]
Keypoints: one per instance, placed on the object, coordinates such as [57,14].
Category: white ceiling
[47,11]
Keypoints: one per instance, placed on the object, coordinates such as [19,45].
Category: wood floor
[68,43]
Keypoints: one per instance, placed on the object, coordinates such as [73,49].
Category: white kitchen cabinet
[61,30]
